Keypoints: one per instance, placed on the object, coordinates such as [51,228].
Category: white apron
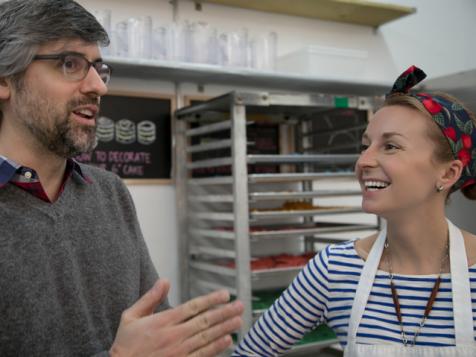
[462,309]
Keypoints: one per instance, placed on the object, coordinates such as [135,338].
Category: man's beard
[52,127]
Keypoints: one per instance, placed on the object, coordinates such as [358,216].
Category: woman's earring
[440,188]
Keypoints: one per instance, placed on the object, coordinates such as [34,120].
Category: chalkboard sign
[134,137]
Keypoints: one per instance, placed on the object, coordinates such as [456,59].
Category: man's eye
[363,147]
[389,146]
[71,64]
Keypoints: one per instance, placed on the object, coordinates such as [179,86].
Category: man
[76,278]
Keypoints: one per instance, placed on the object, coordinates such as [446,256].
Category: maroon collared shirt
[27,178]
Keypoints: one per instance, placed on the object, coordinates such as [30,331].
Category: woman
[392,294]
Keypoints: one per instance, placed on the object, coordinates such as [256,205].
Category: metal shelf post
[240,208]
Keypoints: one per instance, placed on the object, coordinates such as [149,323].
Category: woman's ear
[5,86]
[451,173]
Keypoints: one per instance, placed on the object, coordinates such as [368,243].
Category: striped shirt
[323,292]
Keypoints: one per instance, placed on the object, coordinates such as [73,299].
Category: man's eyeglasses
[76,67]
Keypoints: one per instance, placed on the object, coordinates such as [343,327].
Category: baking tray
[256,215]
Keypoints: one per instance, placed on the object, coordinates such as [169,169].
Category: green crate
[319,334]
[263,300]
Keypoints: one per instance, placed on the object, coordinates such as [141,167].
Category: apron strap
[366,282]
[461,290]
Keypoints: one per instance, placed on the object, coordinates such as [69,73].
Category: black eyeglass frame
[98,65]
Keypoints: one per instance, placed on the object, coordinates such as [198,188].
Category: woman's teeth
[375,185]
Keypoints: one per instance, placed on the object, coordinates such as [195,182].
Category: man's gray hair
[27,24]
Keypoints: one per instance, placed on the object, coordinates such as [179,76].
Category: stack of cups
[232,48]
[263,51]
[195,42]
[139,30]
[104,18]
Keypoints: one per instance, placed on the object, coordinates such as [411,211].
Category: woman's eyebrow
[387,135]
[391,134]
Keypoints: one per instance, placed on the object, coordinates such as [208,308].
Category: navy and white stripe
[324,291]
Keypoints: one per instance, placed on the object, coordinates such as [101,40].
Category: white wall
[440,38]
[156,210]
[461,212]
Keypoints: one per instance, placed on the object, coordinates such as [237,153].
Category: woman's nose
[367,158]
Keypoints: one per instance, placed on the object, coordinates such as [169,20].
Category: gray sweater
[70,268]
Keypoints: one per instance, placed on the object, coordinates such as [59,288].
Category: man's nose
[93,83]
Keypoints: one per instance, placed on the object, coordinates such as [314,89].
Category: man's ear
[5,88]
[452,173]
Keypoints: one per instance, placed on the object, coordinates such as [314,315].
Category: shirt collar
[77,171]
[8,169]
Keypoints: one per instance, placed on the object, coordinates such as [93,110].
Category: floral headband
[453,120]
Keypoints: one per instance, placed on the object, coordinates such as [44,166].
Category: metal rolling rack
[217,213]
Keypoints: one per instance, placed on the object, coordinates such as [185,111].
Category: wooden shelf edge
[358,12]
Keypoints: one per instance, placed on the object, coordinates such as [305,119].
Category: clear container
[159,43]
[263,50]
[104,18]
[119,45]
[323,61]
[178,38]
[199,42]
[139,36]
[233,48]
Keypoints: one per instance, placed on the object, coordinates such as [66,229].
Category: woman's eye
[389,146]
[363,147]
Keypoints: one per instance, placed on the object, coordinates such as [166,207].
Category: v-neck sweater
[69,268]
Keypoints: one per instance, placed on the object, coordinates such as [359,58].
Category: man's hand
[197,328]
